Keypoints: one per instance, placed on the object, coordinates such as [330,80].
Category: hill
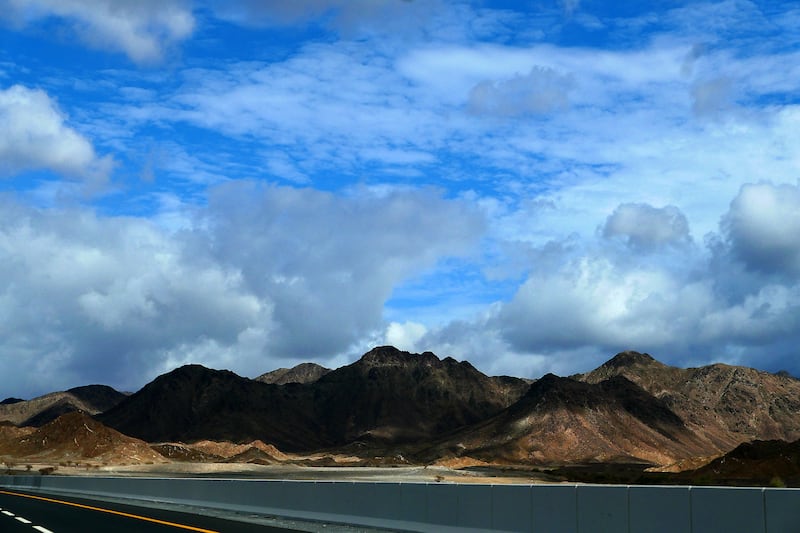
[73,437]
[91,399]
[302,373]
[772,462]
[726,405]
[394,396]
[562,420]
[195,403]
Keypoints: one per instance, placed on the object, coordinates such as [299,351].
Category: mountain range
[631,409]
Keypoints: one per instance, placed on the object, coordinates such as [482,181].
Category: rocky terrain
[196,403]
[562,420]
[724,404]
[302,373]
[633,419]
[75,437]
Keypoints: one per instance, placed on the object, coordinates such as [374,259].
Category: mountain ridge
[631,408]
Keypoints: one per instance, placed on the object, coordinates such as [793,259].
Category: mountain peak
[389,355]
[630,358]
[302,373]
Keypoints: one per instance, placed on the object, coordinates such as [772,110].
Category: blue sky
[532,186]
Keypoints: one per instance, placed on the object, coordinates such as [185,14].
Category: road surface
[25,512]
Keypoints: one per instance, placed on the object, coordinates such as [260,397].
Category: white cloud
[141,29]
[595,302]
[333,262]
[405,336]
[263,274]
[763,228]
[645,227]
[34,135]
[89,299]
[734,301]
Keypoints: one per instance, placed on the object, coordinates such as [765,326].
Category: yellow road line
[109,511]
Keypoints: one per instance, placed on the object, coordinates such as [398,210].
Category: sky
[531,186]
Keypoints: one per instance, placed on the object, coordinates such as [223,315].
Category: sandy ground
[408,474]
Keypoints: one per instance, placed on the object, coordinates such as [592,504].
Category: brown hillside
[725,404]
[561,420]
[302,373]
[229,449]
[90,399]
[76,436]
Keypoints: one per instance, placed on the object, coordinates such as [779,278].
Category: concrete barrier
[442,507]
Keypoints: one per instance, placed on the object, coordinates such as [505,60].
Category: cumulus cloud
[405,335]
[593,301]
[330,264]
[141,29]
[87,299]
[734,301]
[540,91]
[645,227]
[763,228]
[262,273]
[34,135]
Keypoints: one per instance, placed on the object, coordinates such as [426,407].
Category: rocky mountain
[771,462]
[724,404]
[388,396]
[302,373]
[194,403]
[76,436]
[394,404]
[393,396]
[562,420]
[91,399]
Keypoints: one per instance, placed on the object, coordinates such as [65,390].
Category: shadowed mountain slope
[564,420]
[194,403]
[726,404]
[387,395]
[763,462]
[395,396]
[11,401]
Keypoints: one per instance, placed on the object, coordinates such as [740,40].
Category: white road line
[23,520]
[42,529]
[7,513]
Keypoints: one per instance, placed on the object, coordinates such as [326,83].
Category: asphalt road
[25,512]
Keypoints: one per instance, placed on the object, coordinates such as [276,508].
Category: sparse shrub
[777,482]
[28,468]
[46,470]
